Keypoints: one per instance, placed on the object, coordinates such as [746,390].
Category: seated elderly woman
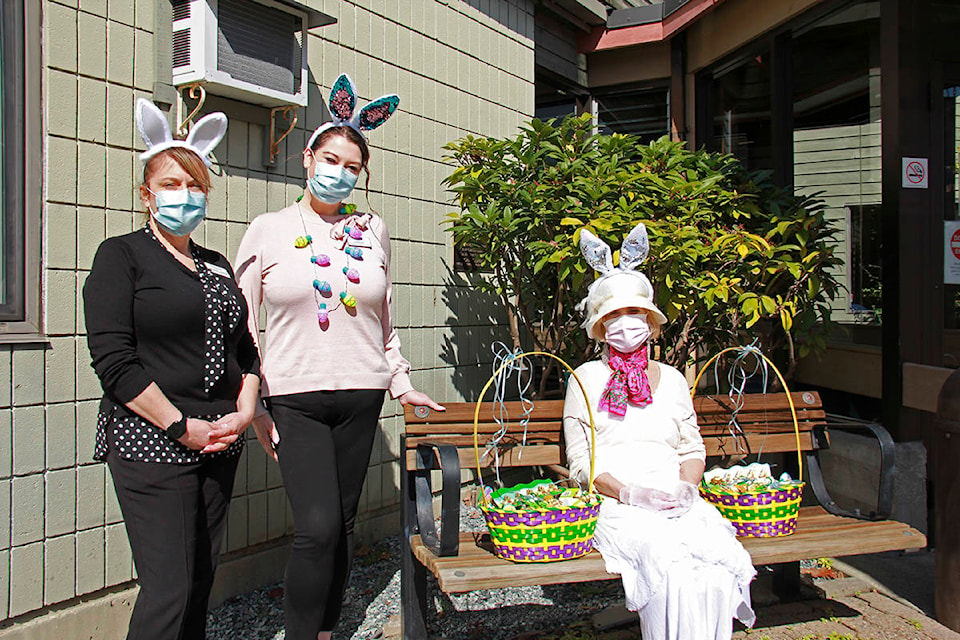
[682,567]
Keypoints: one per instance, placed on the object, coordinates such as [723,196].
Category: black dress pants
[174,514]
[325,443]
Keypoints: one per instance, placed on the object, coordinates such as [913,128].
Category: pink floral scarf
[628,382]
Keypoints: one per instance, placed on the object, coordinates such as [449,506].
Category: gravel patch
[373,596]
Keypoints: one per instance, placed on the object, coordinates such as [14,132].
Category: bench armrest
[888,468]
[444,457]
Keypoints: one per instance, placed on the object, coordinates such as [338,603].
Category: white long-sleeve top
[647,445]
[359,349]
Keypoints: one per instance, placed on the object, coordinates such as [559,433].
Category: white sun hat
[621,287]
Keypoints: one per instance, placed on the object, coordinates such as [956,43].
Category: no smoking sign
[914,174]
[951,252]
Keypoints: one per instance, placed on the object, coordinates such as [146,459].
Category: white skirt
[687,577]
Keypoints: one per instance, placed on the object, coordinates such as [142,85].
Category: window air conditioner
[250,50]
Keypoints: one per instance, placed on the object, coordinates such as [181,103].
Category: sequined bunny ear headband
[204,136]
[617,287]
[633,251]
[343,103]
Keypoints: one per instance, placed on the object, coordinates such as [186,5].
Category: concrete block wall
[460,67]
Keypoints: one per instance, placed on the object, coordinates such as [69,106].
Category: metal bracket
[888,467]
[444,457]
[288,112]
[183,126]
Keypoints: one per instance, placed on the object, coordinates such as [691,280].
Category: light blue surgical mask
[180,211]
[331,183]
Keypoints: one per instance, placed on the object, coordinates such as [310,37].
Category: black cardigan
[145,323]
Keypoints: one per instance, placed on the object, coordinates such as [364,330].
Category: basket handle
[793,409]
[476,416]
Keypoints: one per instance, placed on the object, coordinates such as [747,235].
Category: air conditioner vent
[181,9]
[181,48]
[259,44]
[249,50]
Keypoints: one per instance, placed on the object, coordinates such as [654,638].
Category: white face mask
[627,333]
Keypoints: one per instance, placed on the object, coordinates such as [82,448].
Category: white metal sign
[951,252]
[914,173]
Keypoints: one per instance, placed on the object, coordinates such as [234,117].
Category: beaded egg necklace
[350,227]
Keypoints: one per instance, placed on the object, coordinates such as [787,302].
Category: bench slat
[483,427]
[543,410]
[516,429]
[819,534]
[546,454]
[540,455]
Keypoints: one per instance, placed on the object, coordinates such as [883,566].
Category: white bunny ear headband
[204,136]
[343,103]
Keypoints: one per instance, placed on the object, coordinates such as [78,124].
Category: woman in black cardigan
[167,331]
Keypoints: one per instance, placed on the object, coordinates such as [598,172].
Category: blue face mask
[180,211]
[331,183]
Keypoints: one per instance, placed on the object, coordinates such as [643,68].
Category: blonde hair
[188,160]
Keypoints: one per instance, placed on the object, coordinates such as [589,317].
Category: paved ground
[879,597]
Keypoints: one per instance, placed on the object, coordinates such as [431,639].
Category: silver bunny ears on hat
[633,251]
[204,136]
[343,104]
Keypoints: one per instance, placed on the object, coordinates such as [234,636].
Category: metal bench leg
[413,575]
[786,581]
[413,596]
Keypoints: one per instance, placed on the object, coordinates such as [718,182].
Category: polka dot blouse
[149,320]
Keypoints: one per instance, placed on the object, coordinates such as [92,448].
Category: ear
[343,98]
[596,252]
[377,112]
[635,248]
[151,124]
[207,133]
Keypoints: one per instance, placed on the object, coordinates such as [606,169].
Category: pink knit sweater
[358,348]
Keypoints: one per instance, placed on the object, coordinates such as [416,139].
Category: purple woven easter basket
[759,514]
[547,535]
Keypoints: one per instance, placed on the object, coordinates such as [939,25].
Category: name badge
[363,242]
[220,271]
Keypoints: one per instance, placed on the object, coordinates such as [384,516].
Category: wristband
[177,430]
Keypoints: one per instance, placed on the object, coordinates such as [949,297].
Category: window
[865,263]
[640,111]
[19,169]
[740,111]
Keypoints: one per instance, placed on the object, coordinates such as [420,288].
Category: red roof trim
[601,39]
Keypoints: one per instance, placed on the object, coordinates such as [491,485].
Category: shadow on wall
[505,12]
[476,324]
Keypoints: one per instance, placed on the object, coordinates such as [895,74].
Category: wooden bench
[463,561]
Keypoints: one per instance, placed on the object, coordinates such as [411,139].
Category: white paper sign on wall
[914,173]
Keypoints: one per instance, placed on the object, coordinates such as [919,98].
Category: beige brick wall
[460,67]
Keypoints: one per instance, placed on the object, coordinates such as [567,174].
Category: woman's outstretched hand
[419,399]
[267,434]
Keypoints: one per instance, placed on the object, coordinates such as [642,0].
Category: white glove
[684,494]
[647,498]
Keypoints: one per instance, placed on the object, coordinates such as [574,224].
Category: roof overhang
[645,24]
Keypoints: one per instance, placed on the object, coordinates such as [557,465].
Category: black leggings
[324,450]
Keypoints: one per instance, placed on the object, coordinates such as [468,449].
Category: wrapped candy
[752,478]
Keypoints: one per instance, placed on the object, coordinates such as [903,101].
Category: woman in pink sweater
[321,270]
